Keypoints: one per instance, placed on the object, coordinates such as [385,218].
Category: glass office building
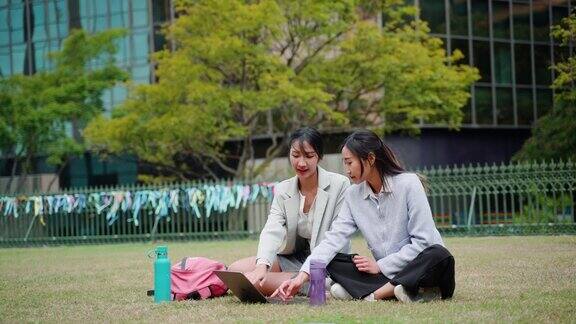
[510,43]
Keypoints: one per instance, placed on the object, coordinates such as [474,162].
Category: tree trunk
[25,171]
[12,174]
[57,175]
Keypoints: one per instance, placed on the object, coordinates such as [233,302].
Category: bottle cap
[161,251]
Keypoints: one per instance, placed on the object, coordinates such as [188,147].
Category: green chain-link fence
[513,199]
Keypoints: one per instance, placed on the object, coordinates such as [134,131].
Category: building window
[502,63]
[521,21]
[119,14]
[504,106]
[123,44]
[141,46]
[558,13]
[483,105]
[480,21]
[541,21]
[18,54]
[4,27]
[5,68]
[140,14]
[543,62]
[41,50]
[482,60]
[16,13]
[458,17]
[93,15]
[434,12]
[141,74]
[501,19]
[160,11]
[525,106]
[523,63]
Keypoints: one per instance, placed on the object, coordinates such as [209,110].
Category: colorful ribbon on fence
[200,201]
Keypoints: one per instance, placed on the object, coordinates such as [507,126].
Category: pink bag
[194,278]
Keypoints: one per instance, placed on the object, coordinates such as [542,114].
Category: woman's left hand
[290,287]
[366,264]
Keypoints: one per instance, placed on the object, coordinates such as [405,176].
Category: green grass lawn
[498,279]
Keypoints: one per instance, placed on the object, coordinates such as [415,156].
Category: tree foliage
[38,112]
[554,135]
[240,69]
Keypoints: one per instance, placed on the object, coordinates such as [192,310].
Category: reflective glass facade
[30,29]
[509,42]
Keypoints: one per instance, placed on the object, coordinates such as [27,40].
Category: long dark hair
[363,142]
[310,135]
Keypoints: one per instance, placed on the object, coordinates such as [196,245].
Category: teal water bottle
[161,275]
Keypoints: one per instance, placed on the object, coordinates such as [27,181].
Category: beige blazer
[280,232]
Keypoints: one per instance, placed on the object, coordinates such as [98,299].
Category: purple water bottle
[317,290]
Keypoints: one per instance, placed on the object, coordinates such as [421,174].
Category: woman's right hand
[255,276]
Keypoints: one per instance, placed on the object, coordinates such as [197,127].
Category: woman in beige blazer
[302,211]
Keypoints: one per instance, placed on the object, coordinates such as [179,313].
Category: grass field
[498,279]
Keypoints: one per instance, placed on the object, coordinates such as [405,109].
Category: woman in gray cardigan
[389,206]
[302,211]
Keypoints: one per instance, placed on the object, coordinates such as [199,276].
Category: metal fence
[513,199]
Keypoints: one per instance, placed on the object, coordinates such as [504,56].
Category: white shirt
[305,223]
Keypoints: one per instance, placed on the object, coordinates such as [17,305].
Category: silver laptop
[242,288]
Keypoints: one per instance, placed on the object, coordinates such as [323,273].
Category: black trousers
[433,267]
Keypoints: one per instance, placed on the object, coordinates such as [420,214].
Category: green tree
[554,135]
[42,114]
[238,69]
